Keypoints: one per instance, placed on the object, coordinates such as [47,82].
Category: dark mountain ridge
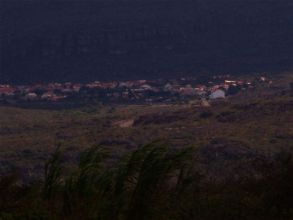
[112,40]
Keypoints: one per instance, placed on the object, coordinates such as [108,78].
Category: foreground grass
[153,182]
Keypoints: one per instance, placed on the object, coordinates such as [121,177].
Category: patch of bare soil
[124,123]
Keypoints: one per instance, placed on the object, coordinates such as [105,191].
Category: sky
[88,40]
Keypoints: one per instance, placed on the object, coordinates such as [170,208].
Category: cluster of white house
[183,87]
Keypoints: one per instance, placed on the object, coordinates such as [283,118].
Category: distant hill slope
[107,40]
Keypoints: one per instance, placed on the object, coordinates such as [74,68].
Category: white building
[168,87]
[31,96]
[47,95]
[146,87]
[218,94]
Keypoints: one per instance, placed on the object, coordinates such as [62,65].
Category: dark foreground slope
[152,183]
[89,40]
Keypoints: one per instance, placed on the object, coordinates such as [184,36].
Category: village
[188,89]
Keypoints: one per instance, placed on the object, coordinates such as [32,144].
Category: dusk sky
[86,40]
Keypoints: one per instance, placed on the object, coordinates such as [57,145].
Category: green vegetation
[153,182]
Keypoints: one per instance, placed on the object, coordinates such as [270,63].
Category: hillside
[230,161]
[28,136]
